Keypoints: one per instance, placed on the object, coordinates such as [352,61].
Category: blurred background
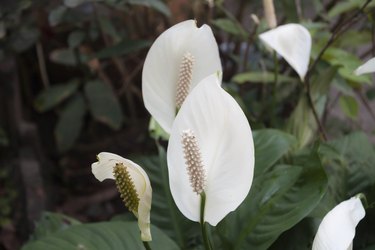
[70,87]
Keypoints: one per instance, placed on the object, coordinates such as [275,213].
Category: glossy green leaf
[278,200]
[113,235]
[51,223]
[349,106]
[70,123]
[54,95]
[123,48]
[358,155]
[103,104]
[270,145]
[346,6]
[261,77]
[155,4]
[230,27]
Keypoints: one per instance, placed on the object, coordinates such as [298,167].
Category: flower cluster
[210,150]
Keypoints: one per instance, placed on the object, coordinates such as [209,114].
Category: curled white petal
[293,42]
[337,229]
[226,145]
[103,169]
[162,65]
[367,67]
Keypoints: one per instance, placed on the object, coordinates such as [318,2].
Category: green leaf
[164,213]
[358,155]
[155,4]
[123,48]
[70,123]
[261,77]
[113,235]
[75,38]
[56,16]
[54,95]
[230,27]
[51,223]
[278,200]
[63,56]
[270,145]
[349,106]
[103,104]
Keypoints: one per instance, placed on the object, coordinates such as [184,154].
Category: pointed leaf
[70,123]
[103,104]
[54,95]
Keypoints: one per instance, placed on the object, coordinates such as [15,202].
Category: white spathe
[337,229]
[103,169]
[293,42]
[162,65]
[367,67]
[226,144]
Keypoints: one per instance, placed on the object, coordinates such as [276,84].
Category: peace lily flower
[293,42]
[210,153]
[367,67]
[132,183]
[179,58]
[337,229]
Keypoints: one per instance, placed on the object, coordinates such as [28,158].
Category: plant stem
[207,244]
[315,113]
[147,246]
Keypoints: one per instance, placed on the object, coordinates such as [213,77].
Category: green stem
[207,244]
[147,246]
[274,87]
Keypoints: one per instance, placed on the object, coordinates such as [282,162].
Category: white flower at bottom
[133,184]
[337,229]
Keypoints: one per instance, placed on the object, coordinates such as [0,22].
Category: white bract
[337,229]
[367,67]
[179,58]
[104,169]
[210,150]
[293,42]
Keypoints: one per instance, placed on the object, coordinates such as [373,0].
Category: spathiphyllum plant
[337,229]
[179,58]
[210,154]
[133,185]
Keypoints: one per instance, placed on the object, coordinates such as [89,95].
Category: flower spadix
[179,58]
[337,229]
[210,150]
[293,42]
[367,67]
[133,184]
